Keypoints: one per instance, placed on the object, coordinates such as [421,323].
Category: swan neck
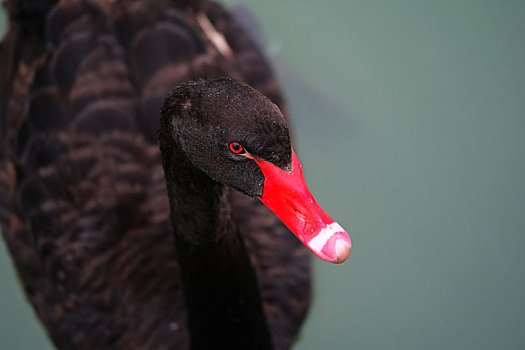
[222,296]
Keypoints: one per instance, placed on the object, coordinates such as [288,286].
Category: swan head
[239,138]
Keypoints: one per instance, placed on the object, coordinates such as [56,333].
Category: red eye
[236,148]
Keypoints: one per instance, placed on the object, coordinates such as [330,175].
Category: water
[410,124]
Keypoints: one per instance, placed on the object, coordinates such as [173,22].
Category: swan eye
[236,148]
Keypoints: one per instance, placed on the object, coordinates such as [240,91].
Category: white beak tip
[342,250]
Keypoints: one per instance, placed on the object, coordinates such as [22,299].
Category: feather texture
[83,203]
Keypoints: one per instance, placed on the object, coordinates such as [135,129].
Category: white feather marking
[215,37]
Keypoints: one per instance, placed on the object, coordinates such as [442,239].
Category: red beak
[287,195]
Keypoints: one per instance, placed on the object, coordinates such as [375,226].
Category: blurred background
[409,118]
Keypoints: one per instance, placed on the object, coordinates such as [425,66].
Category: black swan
[91,207]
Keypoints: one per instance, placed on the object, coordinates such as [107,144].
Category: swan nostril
[300,215]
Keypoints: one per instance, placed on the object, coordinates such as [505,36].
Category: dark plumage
[83,200]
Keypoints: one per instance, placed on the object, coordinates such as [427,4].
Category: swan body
[85,191]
